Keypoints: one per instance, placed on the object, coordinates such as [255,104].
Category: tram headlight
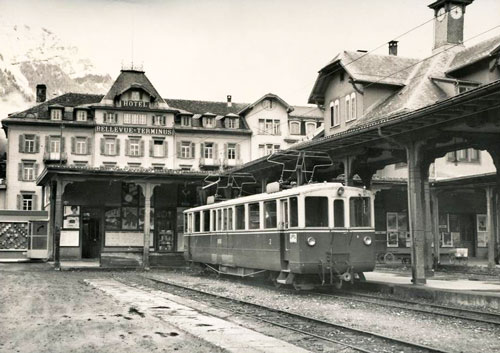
[367,240]
[311,241]
[340,191]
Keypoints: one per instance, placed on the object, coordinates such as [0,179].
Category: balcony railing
[209,162]
[55,157]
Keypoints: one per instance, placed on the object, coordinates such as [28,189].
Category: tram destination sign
[133,130]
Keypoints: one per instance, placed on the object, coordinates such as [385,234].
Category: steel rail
[352,296]
[304,318]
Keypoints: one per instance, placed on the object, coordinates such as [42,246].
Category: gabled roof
[310,111]
[288,107]
[475,53]
[64,100]
[201,107]
[132,79]
[363,67]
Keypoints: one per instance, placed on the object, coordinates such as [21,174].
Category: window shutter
[36,170]
[142,148]
[63,144]
[89,145]
[73,145]
[151,146]
[202,150]
[226,122]
[20,172]
[237,123]
[237,151]
[47,144]
[117,150]
[193,149]
[127,147]
[34,204]
[226,154]
[37,143]
[178,149]
[105,117]
[102,145]
[19,202]
[216,155]
[21,143]
[165,148]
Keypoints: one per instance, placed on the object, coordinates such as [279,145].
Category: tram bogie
[310,234]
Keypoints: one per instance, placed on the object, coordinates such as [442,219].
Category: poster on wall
[446,240]
[392,239]
[482,231]
[71,222]
[130,194]
[71,210]
[130,218]
[112,218]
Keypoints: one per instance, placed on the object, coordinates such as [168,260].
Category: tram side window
[338,213]
[270,214]
[197,222]
[212,223]
[316,211]
[206,221]
[253,216]
[219,219]
[229,219]
[224,218]
[359,209]
[294,212]
[240,217]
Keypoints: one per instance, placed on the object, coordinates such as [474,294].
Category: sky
[195,49]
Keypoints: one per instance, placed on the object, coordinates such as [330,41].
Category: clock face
[440,14]
[456,12]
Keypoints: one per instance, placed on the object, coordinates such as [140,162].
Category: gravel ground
[46,311]
[448,334]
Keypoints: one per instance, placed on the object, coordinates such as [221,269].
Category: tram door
[284,237]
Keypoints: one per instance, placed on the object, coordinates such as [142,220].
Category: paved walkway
[452,284]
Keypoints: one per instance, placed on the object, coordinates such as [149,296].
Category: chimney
[393,47]
[41,93]
[229,104]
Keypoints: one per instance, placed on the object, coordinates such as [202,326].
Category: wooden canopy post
[435,226]
[429,259]
[148,193]
[491,226]
[416,209]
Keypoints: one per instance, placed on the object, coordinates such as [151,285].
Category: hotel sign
[133,130]
[138,104]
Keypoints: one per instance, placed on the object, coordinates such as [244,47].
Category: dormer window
[186,120]
[56,114]
[110,118]
[232,123]
[160,120]
[310,127]
[81,115]
[209,121]
[135,95]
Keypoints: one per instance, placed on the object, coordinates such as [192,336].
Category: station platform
[442,288]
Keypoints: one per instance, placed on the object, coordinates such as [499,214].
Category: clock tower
[448,22]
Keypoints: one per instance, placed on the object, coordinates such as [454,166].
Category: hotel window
[27,202]
[310,128]
[110,118]
[109,146]
[135,95]
[55,144]
[185,149]
[159,148]
[159,120]
[294,128]
[80,163]
[231,151]
[186,120]
[209,121]
[332,114]
[208,150]
[80,145]
[28,171]
[81,115]
[56,114]
[135,119]
[28,143]
[134,147]
[348,108]
[470,155]
[353,106]
[232,123]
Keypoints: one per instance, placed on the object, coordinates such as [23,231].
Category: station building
[115,171]
[358,88]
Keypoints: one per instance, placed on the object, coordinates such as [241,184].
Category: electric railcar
[307,235]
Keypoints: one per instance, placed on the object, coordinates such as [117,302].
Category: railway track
[340,336]
[433,309]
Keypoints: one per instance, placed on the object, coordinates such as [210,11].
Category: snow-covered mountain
[29,56]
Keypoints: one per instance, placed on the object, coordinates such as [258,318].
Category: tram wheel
[389,257]
[338,284]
